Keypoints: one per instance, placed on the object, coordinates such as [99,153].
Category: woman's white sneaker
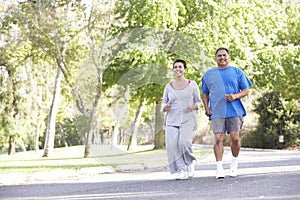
[190,170]
[180,175]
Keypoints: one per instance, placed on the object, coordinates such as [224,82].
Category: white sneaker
[180,175]
[233,169]
[220,173]
[190,170]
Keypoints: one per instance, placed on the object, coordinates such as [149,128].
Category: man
[222,90]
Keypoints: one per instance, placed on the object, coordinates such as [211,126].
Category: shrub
[275,119]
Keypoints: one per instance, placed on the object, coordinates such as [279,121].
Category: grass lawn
[72,158]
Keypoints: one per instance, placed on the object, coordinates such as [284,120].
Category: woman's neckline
[180,88]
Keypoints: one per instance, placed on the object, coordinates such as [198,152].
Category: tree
[135,125]
[19,77]
[99,53]
[53,31]
[278,70]
[275,120]
[154,41]
[38,38]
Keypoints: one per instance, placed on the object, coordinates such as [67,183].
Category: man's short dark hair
[222,48]
[181,61]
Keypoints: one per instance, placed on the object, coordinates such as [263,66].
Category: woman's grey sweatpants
[179,146]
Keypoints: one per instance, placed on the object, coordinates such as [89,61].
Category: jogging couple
[223,87]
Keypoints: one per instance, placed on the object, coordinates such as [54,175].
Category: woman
[180,101]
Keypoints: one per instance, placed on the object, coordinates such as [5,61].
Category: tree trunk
[88,141]
[39,119]
[119,112]
[22,147]
[37,134]
[63,138]
[91,126]
[136,124]
[159,137]
[50,131]
[99,66]
[11,145]
[121,136]
[115,134]
[92,117]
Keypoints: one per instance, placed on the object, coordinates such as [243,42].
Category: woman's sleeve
[165,99]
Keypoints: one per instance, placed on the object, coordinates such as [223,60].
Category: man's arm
[205,100]
[241,94]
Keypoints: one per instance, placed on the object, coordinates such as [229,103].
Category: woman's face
[178,69]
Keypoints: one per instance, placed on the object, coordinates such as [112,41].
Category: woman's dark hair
[222,48]
[181,61]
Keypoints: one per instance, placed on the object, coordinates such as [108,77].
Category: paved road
[273,175]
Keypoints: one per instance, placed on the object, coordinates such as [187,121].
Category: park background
[92,73]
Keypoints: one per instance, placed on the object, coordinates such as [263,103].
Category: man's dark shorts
[227,125]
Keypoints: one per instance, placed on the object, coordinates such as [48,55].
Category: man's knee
[219,139]
[235,137]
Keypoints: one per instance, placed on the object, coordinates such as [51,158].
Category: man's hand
[241,94]
[208,112]
[230,97]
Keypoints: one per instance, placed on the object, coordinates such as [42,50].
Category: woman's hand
[191,108]
[167,107]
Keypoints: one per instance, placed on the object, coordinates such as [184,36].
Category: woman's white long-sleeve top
[180,99]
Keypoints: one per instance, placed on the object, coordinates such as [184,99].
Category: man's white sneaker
[190,170]
[233,169]
[180,175]
[220,173]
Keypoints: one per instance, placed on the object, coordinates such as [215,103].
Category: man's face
[222,58]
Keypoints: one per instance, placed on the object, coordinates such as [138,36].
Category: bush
[274,120]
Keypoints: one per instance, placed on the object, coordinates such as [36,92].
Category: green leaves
[278,69]
[275,119]
[151,14]
[146,36]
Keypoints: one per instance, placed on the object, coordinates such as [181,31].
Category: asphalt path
[262,175]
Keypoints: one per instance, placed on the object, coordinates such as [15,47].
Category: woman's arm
[165,100]
[197,101]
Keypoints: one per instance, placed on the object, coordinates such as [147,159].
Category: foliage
[277,68]
[20,86]
[166,15]
[290,32]
[275,119]
[262,36]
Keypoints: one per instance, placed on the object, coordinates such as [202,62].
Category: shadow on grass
[130,153]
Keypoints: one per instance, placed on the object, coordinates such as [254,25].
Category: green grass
[72,158]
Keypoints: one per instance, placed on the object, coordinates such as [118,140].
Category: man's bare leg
[235,143]
[235,150]
[218,147]
[219,150]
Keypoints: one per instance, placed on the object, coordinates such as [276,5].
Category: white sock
[234,159]
[219,164]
